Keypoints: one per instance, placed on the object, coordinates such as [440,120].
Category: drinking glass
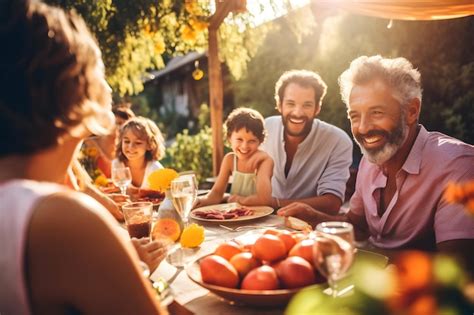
[183,193]
[121,177]
[333,251]
[194,180]
[138,218]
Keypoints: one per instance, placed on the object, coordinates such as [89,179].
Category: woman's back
[18,200]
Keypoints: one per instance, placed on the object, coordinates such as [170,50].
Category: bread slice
[297,224]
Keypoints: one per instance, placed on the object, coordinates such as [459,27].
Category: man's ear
[413,111]
[278,107]
[317,111]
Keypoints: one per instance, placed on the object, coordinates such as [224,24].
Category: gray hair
[398,73]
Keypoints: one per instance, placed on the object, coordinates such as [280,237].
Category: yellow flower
[101,180]
[159,45]
[161,179]
[191,6]
[197,25]
[188,34]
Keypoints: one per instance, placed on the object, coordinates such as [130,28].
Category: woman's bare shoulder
[74,213]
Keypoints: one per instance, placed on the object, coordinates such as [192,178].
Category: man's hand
[302,211]
[151,253]
[309,214]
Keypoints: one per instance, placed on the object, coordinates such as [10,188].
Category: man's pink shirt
[417,216]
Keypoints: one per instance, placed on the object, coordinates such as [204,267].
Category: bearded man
[398,201]
[311,157]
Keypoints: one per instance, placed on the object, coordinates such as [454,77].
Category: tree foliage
[140,35]
[443,51]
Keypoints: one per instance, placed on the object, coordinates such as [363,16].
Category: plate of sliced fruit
[230,212]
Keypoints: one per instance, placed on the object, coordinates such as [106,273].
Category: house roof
[175,64]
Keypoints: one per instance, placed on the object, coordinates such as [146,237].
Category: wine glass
[121,177]
[333,251]
[183,193]
[194,180]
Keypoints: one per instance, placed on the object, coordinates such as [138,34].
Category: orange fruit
[216,270]
[244,262]
[228,250]
[269,247]
[261,278]
[272,232]
[287,239]
[304,249]
[192,236]
[295,272]
[166,228]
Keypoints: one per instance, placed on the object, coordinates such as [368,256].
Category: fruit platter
[265,271]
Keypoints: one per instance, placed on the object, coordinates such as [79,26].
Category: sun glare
[267,10]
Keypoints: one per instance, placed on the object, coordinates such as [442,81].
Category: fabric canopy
[402,9]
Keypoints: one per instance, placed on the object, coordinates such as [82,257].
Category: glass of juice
[138,218]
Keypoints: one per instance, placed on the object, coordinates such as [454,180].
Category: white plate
[258,212]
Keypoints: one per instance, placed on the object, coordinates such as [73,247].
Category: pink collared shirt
[417,216]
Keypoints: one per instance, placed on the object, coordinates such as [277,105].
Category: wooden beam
[223,8]
[216,94]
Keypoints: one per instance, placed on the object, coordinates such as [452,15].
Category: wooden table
[199,300]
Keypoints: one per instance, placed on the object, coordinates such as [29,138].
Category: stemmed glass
[183,193]
[194,180]
[121,177]
[333,251]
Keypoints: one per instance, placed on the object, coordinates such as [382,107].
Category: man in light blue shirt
[311,157]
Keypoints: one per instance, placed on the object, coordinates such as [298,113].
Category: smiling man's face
[298,109]
[378,122]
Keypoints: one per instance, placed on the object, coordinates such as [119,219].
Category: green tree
[136,36]
[442,50]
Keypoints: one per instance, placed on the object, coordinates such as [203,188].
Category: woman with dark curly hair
[61,252]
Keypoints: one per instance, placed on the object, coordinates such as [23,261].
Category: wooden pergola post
[216,94]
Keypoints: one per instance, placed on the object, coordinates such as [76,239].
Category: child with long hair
[139,147]
[251,182]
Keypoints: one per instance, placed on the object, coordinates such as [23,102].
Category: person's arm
[216,194]
[104,200]
[307,213]
[76,260]
[263,194]
[327,203]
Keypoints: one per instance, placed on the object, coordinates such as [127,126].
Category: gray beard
[381,156]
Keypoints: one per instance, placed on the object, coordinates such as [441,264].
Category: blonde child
[139,147]
[251,183]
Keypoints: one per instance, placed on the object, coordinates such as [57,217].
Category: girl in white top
[251,176]
[139,147]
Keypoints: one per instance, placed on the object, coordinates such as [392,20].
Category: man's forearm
[328,203]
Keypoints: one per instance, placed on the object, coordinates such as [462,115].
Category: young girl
[140,146]
[251,184]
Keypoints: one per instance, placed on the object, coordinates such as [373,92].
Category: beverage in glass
[183,191]
[138,218]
